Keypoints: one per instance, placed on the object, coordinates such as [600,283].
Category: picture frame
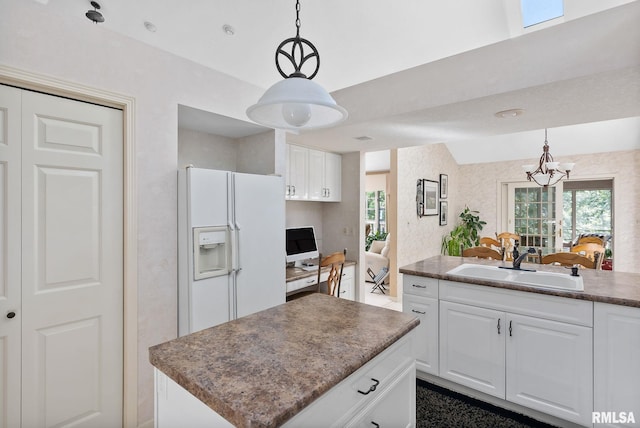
[444,186]
[430,197]
[419,198]
[444,212]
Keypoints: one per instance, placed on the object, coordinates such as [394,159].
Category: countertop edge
[412,269]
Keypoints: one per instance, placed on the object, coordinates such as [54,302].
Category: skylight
[538,11]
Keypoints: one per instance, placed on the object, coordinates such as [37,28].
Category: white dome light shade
[296,103]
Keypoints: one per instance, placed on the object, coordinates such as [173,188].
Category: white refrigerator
[231,246]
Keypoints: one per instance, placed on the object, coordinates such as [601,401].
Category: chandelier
[296,102]
[548,172]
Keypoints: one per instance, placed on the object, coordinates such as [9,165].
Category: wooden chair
[336,261]
[591,240]
[508,242]
[570,259]
[482,252]
[589,251]
[487,241]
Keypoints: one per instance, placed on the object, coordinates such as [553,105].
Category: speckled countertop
[262,369]
[618,288]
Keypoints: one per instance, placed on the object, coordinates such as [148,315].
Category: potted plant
[464,235]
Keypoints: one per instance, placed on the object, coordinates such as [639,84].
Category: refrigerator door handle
[233,238]
[237,248]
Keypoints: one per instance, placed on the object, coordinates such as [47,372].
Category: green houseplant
[465,234]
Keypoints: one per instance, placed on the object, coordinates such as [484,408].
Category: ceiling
[426,72]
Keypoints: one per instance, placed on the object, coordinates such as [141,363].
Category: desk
[299,280]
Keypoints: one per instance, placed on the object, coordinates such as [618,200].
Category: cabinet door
[426,343]
[616,344]
[316,175]
[549,367]
[332,177]
[297,166]
[472,347]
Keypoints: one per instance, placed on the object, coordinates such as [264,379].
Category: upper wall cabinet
[313,175]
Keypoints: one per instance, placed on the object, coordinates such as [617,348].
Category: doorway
[62,336]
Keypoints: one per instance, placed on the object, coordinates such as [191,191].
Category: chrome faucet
[518,258]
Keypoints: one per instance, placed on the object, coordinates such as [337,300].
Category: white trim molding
[54,86]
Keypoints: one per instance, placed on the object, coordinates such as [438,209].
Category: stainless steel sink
[563,281]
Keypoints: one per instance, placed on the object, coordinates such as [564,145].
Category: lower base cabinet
[616,344]
[529,349]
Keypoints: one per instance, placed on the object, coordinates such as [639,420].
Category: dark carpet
[440,407]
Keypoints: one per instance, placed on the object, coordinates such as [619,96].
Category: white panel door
[550,368]
[10,297]
[472,347]
[297,166]
[316,175]
[259,219]
[72,273]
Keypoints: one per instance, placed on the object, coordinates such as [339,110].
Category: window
[534,216]
[377,211]
[539,11]
[586,209]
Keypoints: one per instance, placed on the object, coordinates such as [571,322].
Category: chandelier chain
[298,18]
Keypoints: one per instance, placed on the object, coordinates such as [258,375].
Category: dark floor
[440,407]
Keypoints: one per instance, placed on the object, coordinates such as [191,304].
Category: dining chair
[508,242]
[591,240]
[482,253]
[489,242]
[589,251]
[570,259]
[336,262]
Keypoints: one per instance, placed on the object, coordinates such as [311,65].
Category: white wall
[204,150]
[73,49]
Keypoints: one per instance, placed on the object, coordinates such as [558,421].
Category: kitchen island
[562,356]
[318,358]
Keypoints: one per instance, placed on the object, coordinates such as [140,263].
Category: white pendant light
[296,102]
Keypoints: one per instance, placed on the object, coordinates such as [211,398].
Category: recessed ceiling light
[150,26]
[505,114]
[228,30]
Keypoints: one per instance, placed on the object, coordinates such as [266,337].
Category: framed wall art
[444,186]
[430,197]
[444,212]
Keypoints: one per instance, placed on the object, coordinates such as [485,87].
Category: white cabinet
[472,347]
[616,340]
[313,175]
[549,367]
[348,284]
[541,363]
[420,299]
[297,167]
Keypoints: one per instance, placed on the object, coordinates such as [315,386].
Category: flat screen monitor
[301,244]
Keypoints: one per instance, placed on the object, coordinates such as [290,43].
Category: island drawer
[339,405]
[420,286]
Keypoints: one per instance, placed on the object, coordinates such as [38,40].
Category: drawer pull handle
[419,286]
[418,312]
[372,388]
[375,424]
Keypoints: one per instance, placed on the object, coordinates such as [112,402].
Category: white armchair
[377,257]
